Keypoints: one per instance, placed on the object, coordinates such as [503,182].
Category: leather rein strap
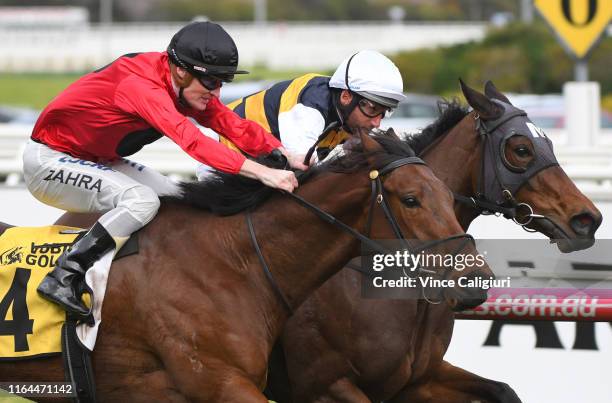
[377,196]
[266,269]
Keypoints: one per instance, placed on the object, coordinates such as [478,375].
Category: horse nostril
[583,224]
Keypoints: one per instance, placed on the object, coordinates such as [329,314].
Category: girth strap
[77,364]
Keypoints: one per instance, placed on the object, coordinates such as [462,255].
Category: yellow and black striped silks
[310,90]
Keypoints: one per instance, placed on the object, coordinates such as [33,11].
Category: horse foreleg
[341,391]
[345,391]
[240,390]
[450,384]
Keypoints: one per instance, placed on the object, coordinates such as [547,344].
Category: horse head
[420,213]
[520,173]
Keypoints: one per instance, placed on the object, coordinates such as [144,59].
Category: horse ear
[368,143]
[492,92]
[486,108]
[391,133]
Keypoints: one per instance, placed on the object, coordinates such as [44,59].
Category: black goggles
[211,82]
[373,110]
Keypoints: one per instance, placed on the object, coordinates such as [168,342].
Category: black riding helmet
[205,49]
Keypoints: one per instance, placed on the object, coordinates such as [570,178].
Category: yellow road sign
[579,23]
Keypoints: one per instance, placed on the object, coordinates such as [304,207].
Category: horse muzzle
[579,234]
[468,293]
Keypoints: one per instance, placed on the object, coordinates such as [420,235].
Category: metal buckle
[530,216]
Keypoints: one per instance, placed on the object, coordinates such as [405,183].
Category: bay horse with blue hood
[342,347]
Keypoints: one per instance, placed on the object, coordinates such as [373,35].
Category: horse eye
[522,151]
[410,201]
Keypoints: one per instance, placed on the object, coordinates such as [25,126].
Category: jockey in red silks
[74,160]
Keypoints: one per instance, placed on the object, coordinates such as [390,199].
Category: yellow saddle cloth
[29,325]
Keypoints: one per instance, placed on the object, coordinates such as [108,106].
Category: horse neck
[300,248]
[456,160]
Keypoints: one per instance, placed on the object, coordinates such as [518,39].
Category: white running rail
[591,168]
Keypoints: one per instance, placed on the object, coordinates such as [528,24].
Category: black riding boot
[59,285]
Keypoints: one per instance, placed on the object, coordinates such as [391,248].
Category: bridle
[498,179]
[378,197]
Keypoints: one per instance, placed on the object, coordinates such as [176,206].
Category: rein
[377,198]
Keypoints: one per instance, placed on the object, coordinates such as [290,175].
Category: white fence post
[582,113]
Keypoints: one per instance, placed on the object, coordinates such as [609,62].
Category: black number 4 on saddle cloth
[30,326]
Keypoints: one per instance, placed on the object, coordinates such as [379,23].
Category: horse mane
[225,194]
[355,158]
[451,113]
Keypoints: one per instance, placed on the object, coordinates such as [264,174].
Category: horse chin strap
[378,197]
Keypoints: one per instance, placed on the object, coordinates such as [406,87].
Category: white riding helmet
[371,75]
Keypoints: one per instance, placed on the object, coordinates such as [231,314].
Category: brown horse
[193,317]
[340,347]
